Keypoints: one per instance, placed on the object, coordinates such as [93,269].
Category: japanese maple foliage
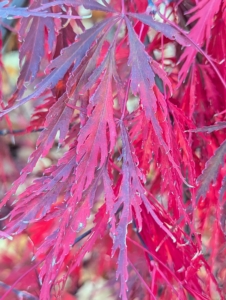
[136,103]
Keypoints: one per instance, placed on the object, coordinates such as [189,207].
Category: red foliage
[138,101]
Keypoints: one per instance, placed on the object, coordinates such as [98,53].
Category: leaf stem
[20,294]
[142,279]
[123,7]
[20,278]
[125,100]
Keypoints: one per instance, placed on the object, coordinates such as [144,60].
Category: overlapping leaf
[32,33]
[7,11]
[131,195]
[99,123]
[133,164]
[203,14]
[61,65]
[211,170]
[143,80]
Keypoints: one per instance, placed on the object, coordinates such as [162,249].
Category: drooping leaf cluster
[136,104]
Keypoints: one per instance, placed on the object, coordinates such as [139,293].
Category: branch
[4,132]
[82,236]
[21,294]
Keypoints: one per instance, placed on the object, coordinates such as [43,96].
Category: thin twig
[82,236]
[4,132]
[20,294]
[141,239]
[12,289]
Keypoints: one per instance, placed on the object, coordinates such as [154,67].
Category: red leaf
[211,170]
